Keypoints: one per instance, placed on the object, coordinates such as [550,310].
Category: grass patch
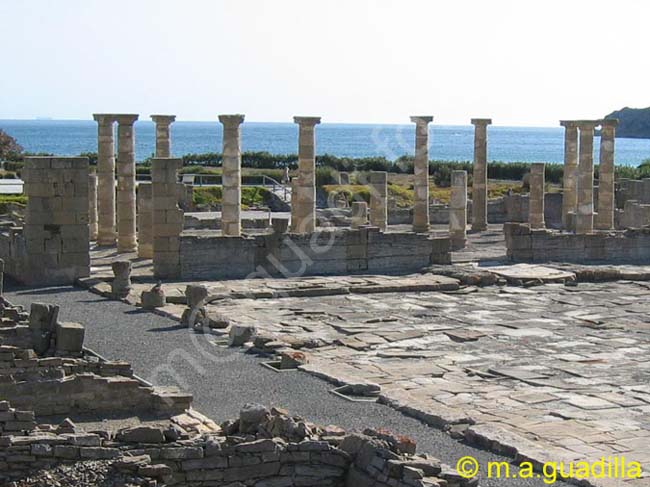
[251,196]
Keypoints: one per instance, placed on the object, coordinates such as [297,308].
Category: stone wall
[52,383]
[261,447]
[526,245]
[332,251]
[630,189]
[53,245]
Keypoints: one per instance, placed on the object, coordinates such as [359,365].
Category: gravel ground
[222,380]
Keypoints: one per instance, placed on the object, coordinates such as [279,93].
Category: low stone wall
[634,215]
[328,252]
[79,383]
[261,448]
[526,245]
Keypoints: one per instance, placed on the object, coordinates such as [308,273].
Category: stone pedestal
[163,136]
[378,181]
[167,217]
[536,200]
[421,174]
[303,196]
[479,175]
[605,218]
[231,206]
[359,214]
[121,283]
[126,207]
[570,176]
[458,210]
[585,200]
[105,179]
[92,205]
[145,220]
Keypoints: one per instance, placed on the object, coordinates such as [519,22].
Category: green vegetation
[7,199]
[251,196]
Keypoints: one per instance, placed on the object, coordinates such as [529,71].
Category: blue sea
[508,144]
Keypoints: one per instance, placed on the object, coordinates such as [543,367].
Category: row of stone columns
[123,228]
[578,194]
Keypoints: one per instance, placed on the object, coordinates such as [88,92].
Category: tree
[8,146]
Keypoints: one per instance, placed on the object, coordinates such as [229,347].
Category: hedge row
[440,170]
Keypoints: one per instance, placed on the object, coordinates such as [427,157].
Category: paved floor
[224,379]
[562,373]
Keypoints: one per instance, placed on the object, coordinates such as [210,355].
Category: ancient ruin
[398,305]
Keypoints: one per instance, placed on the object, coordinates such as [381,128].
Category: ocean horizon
[446,142]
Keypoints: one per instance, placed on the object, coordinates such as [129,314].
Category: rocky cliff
[633,122]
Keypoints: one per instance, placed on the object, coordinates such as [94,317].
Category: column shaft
[606,178]
[105,180]
[126,207]
[585,203]
[421,174]
[303,196]
[231,178]
[570,176]
[92,205]
[458,210]
[379,199]
[163,134]
[479,175]
[536,197]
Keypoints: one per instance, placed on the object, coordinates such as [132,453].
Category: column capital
[126,118]
[609,122]
[481,121]
[570,124]
[104,118]
[235,119]
[421,119]
[163,119]
[306,120]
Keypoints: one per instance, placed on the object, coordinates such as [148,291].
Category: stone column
[163,137]
[359,214]
[606,179]
[458,210]
[92,205]
[303,196]
[536,197]
[379,199]
[479,175]
[570,177]
[145,220]
[231,206]
[126,208]
[585,199]
[167,218]
[105,179]
[421,174]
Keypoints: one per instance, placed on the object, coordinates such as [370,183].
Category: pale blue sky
[519,62]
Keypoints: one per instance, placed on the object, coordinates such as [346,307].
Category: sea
[449,143]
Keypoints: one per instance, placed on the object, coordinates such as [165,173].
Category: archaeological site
[517,326]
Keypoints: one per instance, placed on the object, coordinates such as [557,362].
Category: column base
[421,228]
[479,227]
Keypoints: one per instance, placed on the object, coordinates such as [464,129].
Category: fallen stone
[240,334]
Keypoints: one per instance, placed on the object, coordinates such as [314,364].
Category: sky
[521,63]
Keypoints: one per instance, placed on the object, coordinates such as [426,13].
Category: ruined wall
[334,251]
[53,245]
[262,448]
[630,189]
[526,245]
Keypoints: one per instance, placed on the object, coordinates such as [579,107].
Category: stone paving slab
[551,373]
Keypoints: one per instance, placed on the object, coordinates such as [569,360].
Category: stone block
[70,337]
